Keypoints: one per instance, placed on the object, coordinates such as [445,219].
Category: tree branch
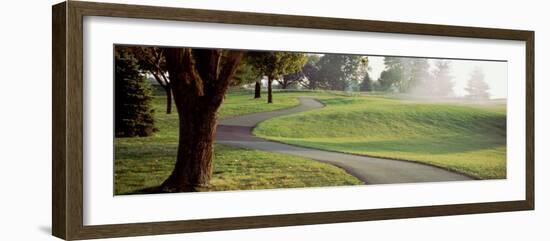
[228,68]
[182,70]
[158,79]
[166,80]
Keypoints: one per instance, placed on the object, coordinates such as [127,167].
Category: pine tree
[442,82]
[367,84]
[133,110]
[477,88]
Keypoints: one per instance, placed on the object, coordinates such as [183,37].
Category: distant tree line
[345,72]
[413,75]
[416,76]
[298,70]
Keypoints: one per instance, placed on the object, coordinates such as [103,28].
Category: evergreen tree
[416,73]
[442,81]
[392,75]
[133,110]
[477,88]
[366,84]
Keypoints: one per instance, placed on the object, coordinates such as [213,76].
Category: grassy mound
[464,137]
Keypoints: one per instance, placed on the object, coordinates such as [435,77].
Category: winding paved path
[237,132]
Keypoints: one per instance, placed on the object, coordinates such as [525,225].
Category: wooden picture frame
[67,78]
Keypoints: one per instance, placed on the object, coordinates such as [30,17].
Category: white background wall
[25,120]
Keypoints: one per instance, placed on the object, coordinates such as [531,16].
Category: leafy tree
[152,60]
[199,80]
[442,81]
[246,74]
[291,79]
[340,71]
[403,74]
[477,88]
[311,73]
[133,109]
[367,83]
[276,64]
[389,79]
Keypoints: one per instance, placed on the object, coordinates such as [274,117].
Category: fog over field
[496,74]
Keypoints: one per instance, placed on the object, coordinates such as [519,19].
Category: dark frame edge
[67,126]
[67,64]
[75,110]
[530,119]
[59,176]
[284,220]
[293,21]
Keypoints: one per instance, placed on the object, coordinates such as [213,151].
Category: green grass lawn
[468,138]
[242,102]
[234,169]
[145,162]
[236,103]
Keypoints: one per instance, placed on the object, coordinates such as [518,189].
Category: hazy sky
[496,74]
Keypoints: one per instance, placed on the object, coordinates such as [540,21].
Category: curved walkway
[237,131]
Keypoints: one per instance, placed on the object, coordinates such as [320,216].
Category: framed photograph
[171,120]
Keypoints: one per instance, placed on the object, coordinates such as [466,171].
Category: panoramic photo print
[201,120]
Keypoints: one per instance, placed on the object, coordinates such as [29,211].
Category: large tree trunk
[269,90]
[199,81]
[197,126]
[258,89]
[168,99]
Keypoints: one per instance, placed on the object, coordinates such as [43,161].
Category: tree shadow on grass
[158,190]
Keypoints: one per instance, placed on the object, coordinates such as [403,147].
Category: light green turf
[242,102]
[464,137]
[234,169]
[145,162]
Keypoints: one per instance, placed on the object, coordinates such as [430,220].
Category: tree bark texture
[199,80]
[258,89]
[168,100]
[269,90]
